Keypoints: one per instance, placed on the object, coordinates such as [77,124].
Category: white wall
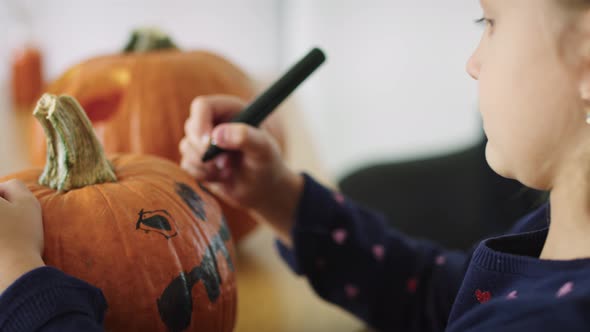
[71,30]
[394,85]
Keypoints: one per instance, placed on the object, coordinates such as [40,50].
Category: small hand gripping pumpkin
[138,101]
[136,226]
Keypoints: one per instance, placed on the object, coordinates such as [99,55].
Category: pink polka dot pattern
[351,291]
[567,288]
[512,295]
[378,252]
[339,235]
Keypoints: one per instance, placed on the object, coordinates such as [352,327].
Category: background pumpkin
[137,226]
[138,101]
[26,80]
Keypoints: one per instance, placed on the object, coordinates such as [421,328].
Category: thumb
[251,141]
[14,190]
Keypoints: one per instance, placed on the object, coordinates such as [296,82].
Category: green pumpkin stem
[148,39]
[75,157]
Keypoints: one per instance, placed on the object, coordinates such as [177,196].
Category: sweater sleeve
[352,258]
[48,300]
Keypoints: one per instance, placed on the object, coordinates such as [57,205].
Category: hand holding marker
[265,103]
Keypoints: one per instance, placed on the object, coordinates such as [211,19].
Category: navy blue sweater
[392,282]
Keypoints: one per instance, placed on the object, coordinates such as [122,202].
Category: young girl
[533,67]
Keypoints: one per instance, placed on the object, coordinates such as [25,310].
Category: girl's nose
[473,66]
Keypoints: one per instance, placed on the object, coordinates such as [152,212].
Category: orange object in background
[139,100]
[27,80]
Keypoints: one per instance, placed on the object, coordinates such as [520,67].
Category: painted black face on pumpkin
[157,221]
[175,305]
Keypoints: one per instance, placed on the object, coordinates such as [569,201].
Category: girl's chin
[509,168]
[497,163]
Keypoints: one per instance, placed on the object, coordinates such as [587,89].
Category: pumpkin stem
[148,39]
[75,157]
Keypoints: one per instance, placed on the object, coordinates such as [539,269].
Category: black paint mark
[156,221]
[175,305]
[218,244]
[224,230]
[192,199]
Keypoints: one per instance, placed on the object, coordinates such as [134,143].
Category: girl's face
[530,74]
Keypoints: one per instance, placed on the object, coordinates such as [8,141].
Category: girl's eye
[487,21]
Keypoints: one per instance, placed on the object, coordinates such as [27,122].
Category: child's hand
[21,232]
[253,174]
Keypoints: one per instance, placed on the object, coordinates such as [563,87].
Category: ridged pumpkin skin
[153,240]
[139,102]
[103,234]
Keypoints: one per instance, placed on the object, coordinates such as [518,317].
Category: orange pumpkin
[26,80]
[139,101]
[136,226]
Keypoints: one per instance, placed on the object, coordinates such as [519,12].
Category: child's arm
[34,297]
[47,300]
[349,254]
[354,259]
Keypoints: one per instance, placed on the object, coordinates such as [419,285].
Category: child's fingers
[224,107]
[253,142]
[15,190]
[198,126]
[199,171]
[227,165]
[206,111]
[190,150]
[206,173]
[191,161]
[222,168]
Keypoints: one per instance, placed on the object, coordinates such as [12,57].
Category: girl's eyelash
[484,20]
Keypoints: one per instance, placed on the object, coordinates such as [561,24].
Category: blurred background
[391,117]
[394,86]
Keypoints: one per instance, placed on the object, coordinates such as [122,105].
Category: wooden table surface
[270,297]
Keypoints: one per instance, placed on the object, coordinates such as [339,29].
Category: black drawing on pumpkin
[224,232]
[156,221]
[175,305]
[192,199]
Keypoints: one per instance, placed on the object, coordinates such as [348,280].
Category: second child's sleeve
[48,300]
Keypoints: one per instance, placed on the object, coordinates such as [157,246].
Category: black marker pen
[265,103]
